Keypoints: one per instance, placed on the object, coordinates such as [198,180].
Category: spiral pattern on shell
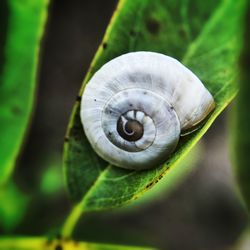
[135,108]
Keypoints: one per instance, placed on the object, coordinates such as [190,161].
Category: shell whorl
[135,107]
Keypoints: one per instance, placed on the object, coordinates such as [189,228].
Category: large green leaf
[206,36]
[23,24]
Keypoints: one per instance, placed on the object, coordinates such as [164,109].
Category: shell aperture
[136,106]
[130,129]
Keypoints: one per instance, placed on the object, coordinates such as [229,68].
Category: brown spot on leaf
[160,177]
[104,45]
[149,185]
[78,98]
[132,33]
[58,247]
[183,33]
[16,110]
[153,26]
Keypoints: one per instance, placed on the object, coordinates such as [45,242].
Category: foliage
[23,23]
[209,43]
[204,36]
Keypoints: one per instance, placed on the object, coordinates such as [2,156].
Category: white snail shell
[135,108]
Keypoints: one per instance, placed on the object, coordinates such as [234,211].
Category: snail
[136,106]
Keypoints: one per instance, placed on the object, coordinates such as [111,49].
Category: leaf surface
[22,24]
[205,37]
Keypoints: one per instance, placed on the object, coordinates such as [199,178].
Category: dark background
[202,213]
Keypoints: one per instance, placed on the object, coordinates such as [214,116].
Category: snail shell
[135,108]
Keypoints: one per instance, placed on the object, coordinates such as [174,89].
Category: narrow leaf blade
[24,26]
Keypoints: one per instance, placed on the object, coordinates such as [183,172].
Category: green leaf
[13,204]
[39,243]
[242,121]
[206,37]
[23,23]
[176,176]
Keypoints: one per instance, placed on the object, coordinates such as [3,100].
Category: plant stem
[71,220]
